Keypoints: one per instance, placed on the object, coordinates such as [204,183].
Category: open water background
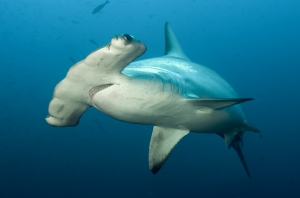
[254,45]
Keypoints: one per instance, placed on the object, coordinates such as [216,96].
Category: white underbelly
[145,101]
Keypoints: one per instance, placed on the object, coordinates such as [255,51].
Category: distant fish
[75,22]
[94,42]
[72,59]
[7,83]
[62,18]
[99,7]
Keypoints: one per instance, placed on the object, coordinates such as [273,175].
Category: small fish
[94,42]
[99,7]
[72,59]
[62,18]
[75,22]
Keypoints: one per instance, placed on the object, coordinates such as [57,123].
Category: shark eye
[127,37]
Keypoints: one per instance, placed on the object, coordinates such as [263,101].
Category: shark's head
[101,66]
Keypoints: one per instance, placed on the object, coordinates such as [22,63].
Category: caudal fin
[237,147]
[234,139]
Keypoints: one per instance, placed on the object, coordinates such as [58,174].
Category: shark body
[171,93]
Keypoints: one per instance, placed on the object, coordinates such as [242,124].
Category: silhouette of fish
[72,59]
[99,7]
[75,22]
[94,42]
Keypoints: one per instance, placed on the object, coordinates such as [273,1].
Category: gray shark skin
[171,93]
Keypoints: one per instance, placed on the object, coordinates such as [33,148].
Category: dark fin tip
[155,169]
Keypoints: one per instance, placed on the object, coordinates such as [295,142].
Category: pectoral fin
[162,142]
[217,103]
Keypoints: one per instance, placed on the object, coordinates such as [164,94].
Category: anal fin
[163,141]
[229,137]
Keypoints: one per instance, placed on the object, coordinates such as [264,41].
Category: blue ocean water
[254,45]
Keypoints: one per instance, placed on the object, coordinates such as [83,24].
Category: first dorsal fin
[172,47]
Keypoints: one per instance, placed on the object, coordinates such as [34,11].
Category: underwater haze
[254,45]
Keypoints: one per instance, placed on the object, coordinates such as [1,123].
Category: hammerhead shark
[172,93]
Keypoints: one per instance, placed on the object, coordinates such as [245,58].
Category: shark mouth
[98,88]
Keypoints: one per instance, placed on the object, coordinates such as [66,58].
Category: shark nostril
[127,37]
